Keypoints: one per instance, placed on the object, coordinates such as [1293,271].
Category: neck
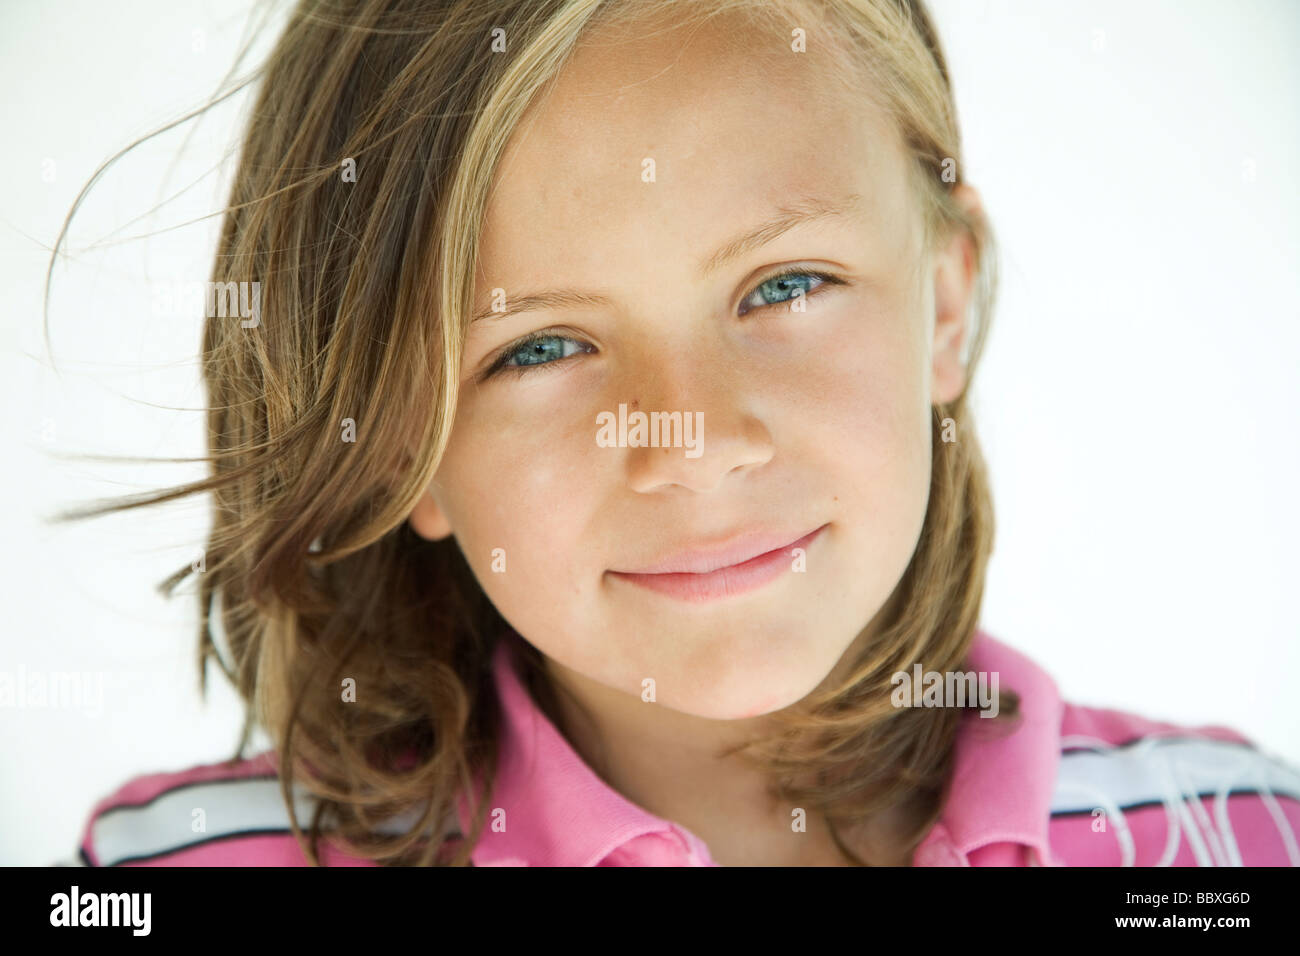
[672,764]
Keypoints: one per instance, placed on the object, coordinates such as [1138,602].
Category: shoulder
[220,814]
[1131,791]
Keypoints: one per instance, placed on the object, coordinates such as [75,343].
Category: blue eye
[543,349]
[784,288]
[536,349]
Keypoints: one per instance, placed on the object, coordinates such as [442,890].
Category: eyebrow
[789,215]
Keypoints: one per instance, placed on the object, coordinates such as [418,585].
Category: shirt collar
[556,810]
[549,808]
[1002,781]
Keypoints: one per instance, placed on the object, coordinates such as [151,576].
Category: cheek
[870,379]
[873,416]
[513,487]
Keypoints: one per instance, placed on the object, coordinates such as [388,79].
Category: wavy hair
[310,569]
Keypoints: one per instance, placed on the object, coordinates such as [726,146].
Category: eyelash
[500,366]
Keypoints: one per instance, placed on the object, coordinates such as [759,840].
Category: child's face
[813,419]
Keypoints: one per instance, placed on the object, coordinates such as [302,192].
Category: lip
[744,564]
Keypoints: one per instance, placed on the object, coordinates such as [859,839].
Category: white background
[1137,399]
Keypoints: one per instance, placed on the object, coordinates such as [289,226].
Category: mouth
[721,582]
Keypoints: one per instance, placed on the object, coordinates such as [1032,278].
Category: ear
[954,283]
[427,518]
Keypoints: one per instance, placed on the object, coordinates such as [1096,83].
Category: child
[597,484]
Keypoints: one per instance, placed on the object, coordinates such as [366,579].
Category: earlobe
[428,520]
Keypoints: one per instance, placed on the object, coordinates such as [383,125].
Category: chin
[740,695]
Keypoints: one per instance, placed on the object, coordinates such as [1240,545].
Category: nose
[728,436]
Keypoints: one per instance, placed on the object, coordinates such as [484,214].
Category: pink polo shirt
[1070,785]
[560,813]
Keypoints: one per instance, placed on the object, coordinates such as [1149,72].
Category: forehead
[735,124]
